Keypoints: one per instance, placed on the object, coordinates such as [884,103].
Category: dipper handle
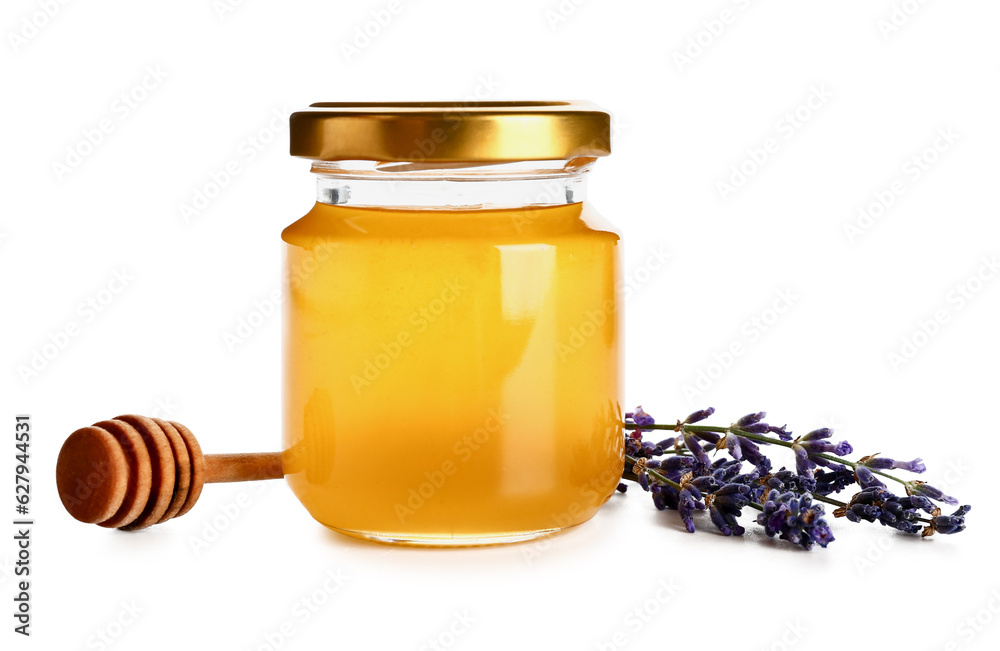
[132,472]
[255,466]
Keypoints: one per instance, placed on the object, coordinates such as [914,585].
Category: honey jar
[452,331]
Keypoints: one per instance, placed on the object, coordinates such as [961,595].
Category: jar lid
[450,132]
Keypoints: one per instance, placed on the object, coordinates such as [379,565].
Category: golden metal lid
[450,132]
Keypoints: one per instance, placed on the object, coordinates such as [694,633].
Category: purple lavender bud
[733,446]
[670,496]
[677,464]
[641,418]
[719,520]
[726,506]
[872,495]
[622,487]
[782,433]
[696,450]
[822,535]
[653,464]
[920,488]
[916,502]
[917,465]
[908,526]
[842,449]
[866,478]
[709,437]
[878,463]
[685,506]
[757,428]
[813,448]
[644,481]
[803,464]
[866,512]
[885,463]
[893,508]
[751,453]
[795,518]
[666,444]
[726,470]
[834,480]
[699,415]
[750,419]
[730,490]
[787,481]
[818,434]
[705,484]
[946,524]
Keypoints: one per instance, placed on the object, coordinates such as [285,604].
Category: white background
[157,347]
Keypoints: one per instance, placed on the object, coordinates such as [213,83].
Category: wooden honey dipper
[133,472]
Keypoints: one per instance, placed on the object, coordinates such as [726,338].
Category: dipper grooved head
[130,472]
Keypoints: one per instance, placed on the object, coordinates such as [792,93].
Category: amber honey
[451,376]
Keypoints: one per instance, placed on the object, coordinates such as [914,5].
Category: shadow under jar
[452,325]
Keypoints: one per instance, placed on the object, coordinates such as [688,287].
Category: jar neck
[429,186]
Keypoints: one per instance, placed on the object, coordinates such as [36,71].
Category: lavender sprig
[689,480]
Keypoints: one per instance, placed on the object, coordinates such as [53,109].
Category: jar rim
[450,132]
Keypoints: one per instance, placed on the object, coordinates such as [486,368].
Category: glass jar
[452,325]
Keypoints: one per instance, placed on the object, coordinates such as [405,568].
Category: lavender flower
[782,433]
[918,502]
[817,434]
[866,478]
[945,524]
[677,465]
[699,415]
[834,480]
[687,502]
[866,512]
[917,465]
[925,489]
[809,447]
[680,475]
[725,505]
[752,454]
[640,417]
[696,449]
[796,519]
[876,504]
[787,481]
[750,419]
[733,446]
[840,449]
[885,463]
[666,444]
